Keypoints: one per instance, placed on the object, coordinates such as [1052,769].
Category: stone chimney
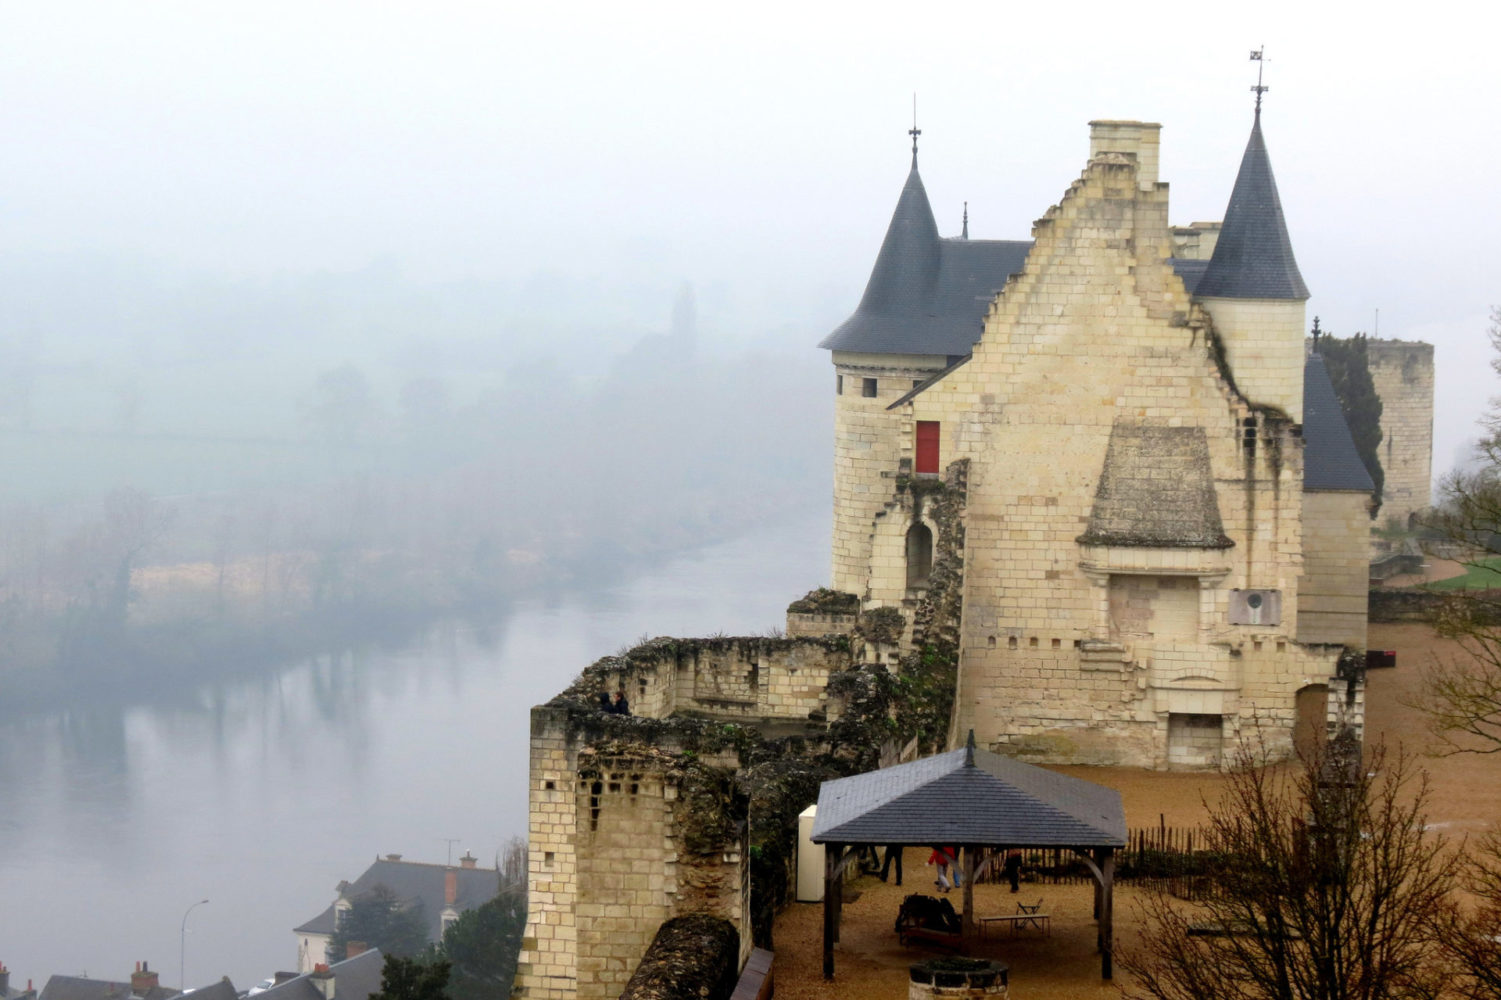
[469,861]
[1140,139]
[4,981]
[353,948]
[323,980]
[393,857]
[450,887]
[283,977]
[143,980]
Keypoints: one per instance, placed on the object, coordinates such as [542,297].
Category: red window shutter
[927,447]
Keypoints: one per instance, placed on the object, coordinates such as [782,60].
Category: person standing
[1013,868]
[893,851]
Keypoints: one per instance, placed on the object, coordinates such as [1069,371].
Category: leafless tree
[1328,887]
[1462,695]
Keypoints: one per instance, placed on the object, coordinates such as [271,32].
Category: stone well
[956,977]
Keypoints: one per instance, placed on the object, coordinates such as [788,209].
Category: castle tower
[1253,290]
[922,310]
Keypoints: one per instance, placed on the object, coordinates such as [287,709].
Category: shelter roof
[1253,258]
[926,294]
[1330,459]
[969,796]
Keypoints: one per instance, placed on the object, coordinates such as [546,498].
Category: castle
[1155,517]
[1096,469]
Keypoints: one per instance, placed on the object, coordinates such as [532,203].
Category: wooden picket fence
[1166,858]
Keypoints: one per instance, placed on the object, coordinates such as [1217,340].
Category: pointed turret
[1253,258]
[907,266]
[926,295]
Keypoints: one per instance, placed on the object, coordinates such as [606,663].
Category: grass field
[1483,574]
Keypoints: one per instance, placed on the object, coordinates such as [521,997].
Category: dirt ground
[1464,798]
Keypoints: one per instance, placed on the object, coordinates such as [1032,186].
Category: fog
[325,320]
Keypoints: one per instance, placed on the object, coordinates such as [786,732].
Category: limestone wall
[1098,329]
[1336,568]
[1263,341]
[729,677]
[1403,375]
[623,835]
[867,446]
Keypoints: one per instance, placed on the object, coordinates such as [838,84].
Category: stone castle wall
[1403,375]
[1336,568]
[626,829]
[867,443]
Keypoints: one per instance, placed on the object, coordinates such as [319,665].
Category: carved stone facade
[1129,406]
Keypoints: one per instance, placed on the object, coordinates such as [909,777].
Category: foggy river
[263,793]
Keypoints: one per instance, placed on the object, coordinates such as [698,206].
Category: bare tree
[1462,695]
[1328,887]
[1470,935]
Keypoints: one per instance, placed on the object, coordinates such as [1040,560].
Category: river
[261,794]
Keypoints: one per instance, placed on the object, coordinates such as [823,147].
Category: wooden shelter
[970,798]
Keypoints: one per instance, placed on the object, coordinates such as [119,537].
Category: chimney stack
[393,857]
[353,948]
[450,887]
[1139,139]
[469,861]
[4,981]
[143,980]
[323,980]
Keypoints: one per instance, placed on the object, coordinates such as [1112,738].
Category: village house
[442,892]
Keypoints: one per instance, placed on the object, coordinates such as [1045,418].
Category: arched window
[919,555]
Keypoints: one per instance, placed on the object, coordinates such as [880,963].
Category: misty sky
[754,151]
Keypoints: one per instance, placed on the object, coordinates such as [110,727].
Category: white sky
[757,148]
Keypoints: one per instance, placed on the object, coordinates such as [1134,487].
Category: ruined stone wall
[1336,568]
[867,440]
[1098,329]
[729,677]
[624,834]
[1403,375]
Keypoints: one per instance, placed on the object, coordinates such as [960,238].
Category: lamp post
[182,944]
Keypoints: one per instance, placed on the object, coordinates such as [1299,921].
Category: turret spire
[1253,258]
[965,234]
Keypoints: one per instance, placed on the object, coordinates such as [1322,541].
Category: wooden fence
[1171,859]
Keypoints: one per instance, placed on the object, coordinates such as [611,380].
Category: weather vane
[914,131]
[1258,89]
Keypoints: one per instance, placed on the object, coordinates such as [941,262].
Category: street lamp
[182,944]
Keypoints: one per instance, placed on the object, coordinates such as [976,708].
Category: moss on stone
[825,601]
[696,957]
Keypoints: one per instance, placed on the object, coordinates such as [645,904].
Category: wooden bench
[1042,921]
[924,935]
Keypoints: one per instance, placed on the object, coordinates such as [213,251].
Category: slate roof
[222,990]
[415,882]
[1190,271]
[952,798]
[354,979]
[84,988]
[926,294]
[1253,258]
[1330,460]
[1156,490]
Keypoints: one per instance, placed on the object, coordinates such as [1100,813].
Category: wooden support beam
[969,852]
[831,885]
[1107,914]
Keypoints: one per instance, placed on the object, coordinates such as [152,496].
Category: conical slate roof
[1330,459]
[969,796]
[1253,258]
[926,295]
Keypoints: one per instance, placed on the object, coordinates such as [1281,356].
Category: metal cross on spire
[1259,88]
[914,131]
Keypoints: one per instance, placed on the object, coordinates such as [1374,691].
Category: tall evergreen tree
[1350,371]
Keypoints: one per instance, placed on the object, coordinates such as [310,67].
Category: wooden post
[1107,913]
[831,854]
[969,890]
